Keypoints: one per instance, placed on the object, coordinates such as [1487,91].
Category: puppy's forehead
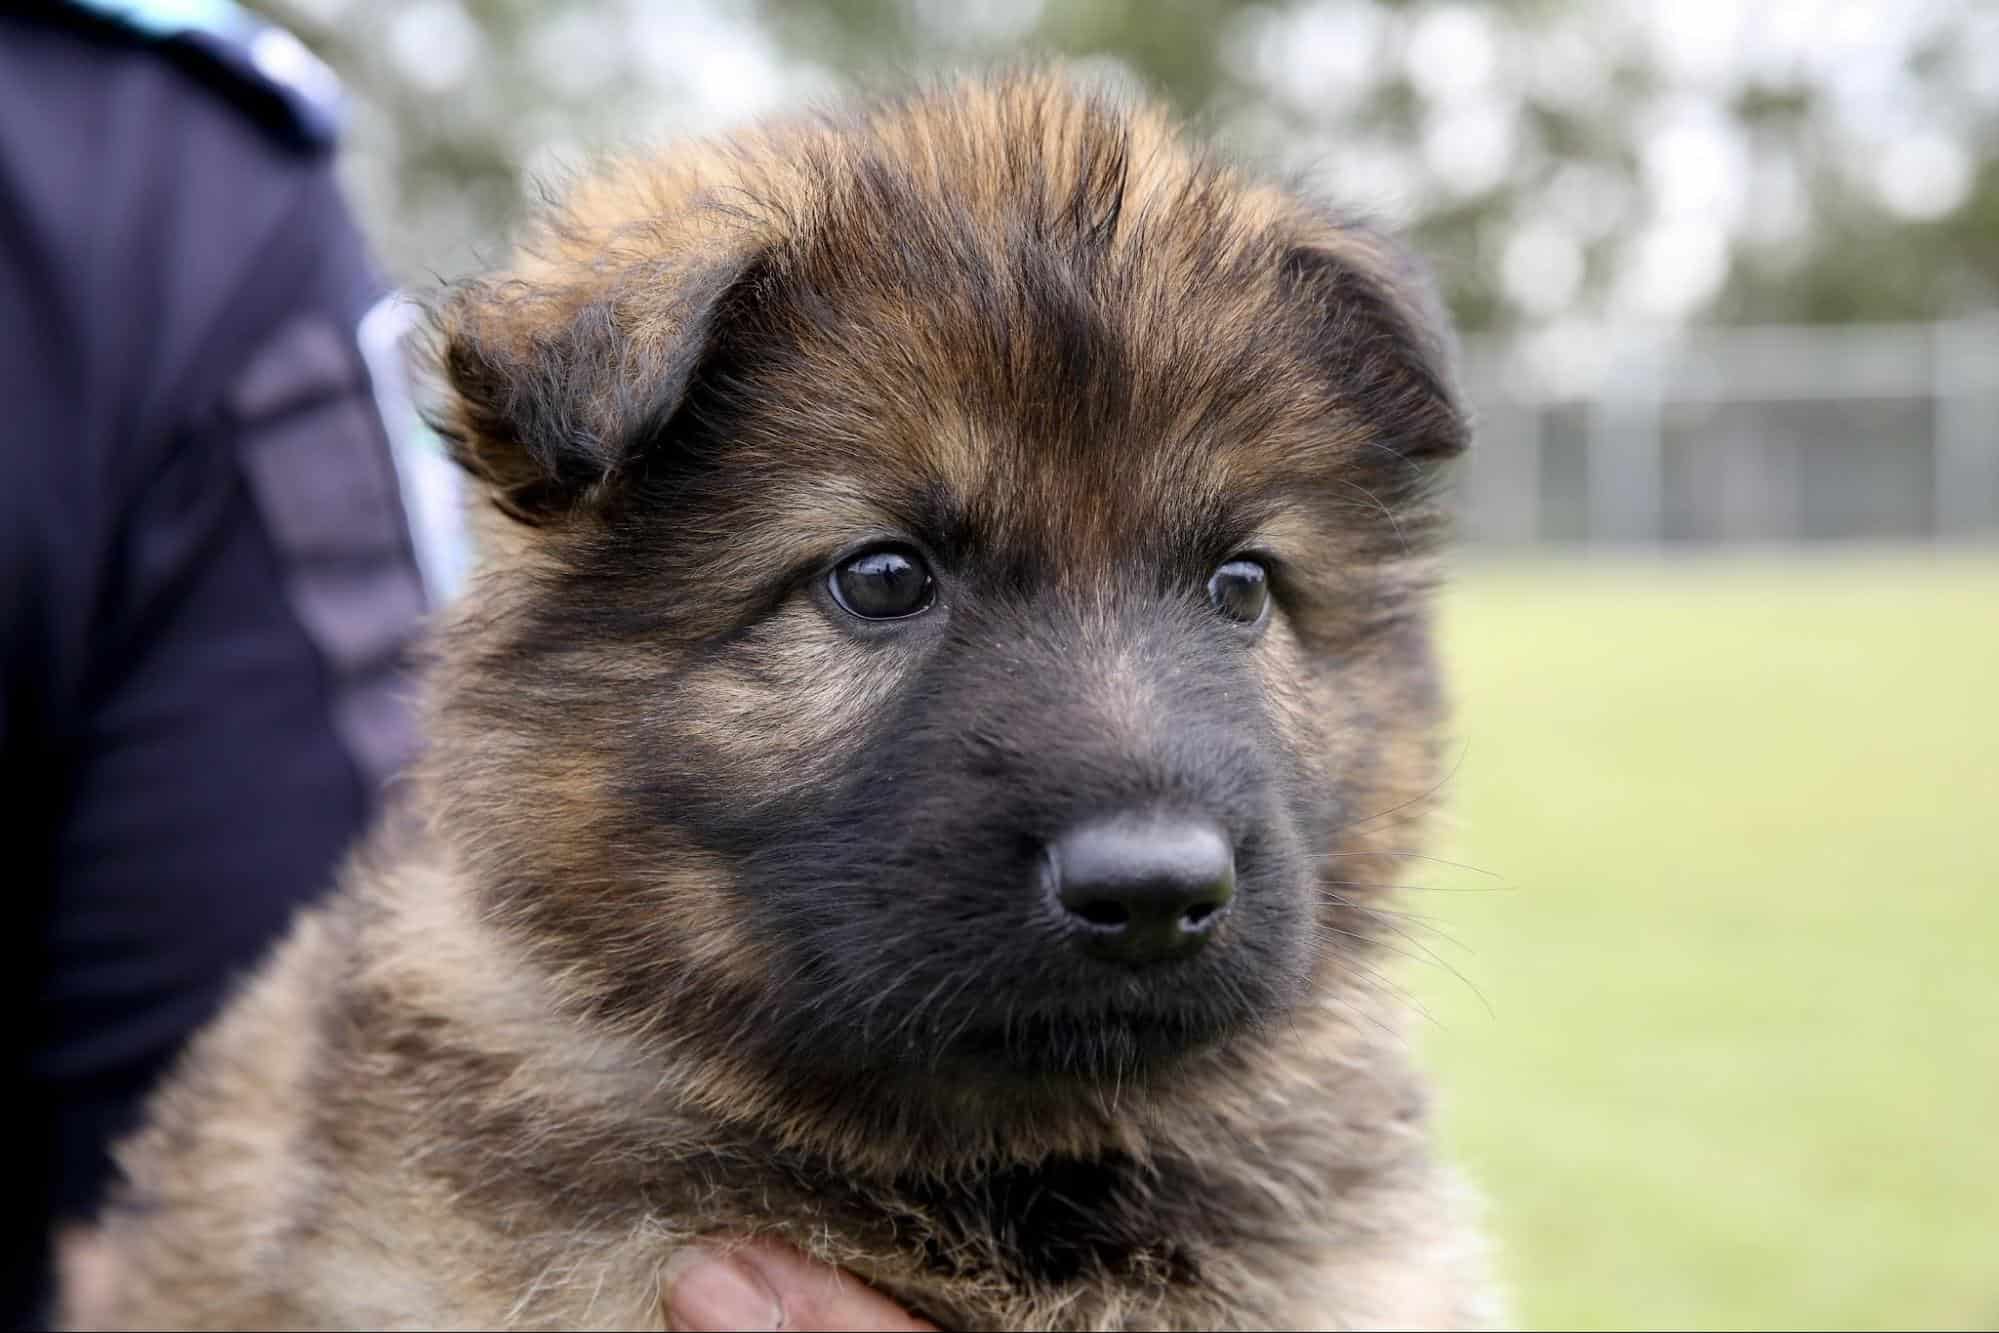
[995,499]
[1052,313]
[1019,405]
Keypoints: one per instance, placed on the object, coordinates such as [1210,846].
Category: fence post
[1627,454]
[1965,425]
[1502,475]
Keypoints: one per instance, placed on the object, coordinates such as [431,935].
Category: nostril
[1102,912]
[1198,913]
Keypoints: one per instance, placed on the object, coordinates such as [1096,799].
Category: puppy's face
[962,622]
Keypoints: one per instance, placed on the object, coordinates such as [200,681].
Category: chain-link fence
[1736,435]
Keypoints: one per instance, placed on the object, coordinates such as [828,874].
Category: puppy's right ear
[553,389]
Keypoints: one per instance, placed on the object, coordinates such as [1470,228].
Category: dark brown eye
[1240,590]
[886,583]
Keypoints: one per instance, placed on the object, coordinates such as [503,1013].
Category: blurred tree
[1559,162]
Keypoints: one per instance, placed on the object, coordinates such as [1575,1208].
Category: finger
[86,1275]
[763,1285]
[817,1296]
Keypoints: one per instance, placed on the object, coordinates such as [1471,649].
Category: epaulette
[264,68]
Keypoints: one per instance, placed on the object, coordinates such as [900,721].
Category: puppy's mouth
[1109,1023]
[1094,1046]
[1004,1023]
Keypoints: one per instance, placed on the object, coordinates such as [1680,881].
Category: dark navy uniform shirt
[207,583]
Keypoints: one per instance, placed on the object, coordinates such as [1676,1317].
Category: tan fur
[434,1108]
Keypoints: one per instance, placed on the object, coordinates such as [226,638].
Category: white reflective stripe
[432,489]
[283,58]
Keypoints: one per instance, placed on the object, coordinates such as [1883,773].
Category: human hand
[764,1285]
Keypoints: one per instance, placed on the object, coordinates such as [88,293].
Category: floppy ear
[553,389]
[1375,328]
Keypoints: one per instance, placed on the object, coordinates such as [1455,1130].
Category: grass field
[1733,1059]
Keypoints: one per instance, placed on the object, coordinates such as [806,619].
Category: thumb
[762,1285]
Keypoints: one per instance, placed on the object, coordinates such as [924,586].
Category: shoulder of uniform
[263,68]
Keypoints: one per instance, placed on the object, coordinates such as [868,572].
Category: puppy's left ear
[1375,328]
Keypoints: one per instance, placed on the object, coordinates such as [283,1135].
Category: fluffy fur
[715,910]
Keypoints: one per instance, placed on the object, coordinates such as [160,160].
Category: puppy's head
[953,638]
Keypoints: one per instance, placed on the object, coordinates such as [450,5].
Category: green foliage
[1557,161]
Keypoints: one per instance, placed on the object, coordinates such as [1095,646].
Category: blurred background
[1709,975]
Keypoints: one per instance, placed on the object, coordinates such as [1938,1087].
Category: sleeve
[246,699]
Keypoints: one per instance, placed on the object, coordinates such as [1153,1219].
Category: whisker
[1418,856]
[1379,983]
[1425,955]
[1442,783]
[1393,522]
[1399,886]
[1396,920]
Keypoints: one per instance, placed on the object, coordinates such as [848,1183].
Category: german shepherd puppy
[916,775]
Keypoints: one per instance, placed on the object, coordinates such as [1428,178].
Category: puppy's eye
[886,583]
[1240,590]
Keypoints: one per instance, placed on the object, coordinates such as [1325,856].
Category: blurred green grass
[1733,1056]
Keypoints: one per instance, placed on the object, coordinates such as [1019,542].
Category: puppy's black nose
[1140,890]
